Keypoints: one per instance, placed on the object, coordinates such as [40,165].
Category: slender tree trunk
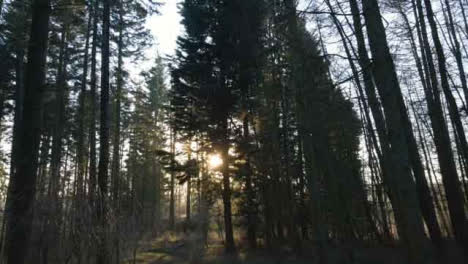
[251,225]
[19,98]
[117,103]
[43,162]
[424,194]
[157,174]
[204,210]
[456,49]
[229,235]
[249,173]
[247,71]
[19,219]
[302,214]
[450,179]
[103,256]
[53,217]
[367,139]
[379,119]
[369,86]
[435,191]
[365,110]
[465,21]
[224,149]
[423,187]
[57,131]
[92,126]
[384,154]
[188,202]
[172,182]
[433,100]
[402,187]
[81,152]
[115,170]
[424,197]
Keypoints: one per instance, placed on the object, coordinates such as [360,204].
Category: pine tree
[103,256]
[21,196]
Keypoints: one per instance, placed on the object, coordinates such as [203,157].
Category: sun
[214,161]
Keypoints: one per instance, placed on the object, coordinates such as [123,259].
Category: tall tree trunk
[20,39]
[53,224]
[249,64]
[450,179]
[384,152]
[59,108]
[103,256]
[367,129]
[23,182]
[229,234]
[93,98]
[188,202]
[156,171]
[19,98]
[428,161]
[425,197]
[117,113]
[374,104]
[441,139]
[251,225]
[367,118]
[172,182]
[204,210]
[401,184]
[81,151]
[115,170]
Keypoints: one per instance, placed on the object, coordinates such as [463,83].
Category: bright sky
[166,27]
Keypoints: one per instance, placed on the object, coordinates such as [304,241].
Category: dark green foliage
[237,72]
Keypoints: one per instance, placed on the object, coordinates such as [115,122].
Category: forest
[278,131]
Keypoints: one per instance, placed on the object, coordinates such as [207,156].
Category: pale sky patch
[166,27]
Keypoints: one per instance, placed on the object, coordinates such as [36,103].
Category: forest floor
[184,249]
[179,249]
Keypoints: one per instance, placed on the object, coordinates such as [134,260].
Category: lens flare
[215,161]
